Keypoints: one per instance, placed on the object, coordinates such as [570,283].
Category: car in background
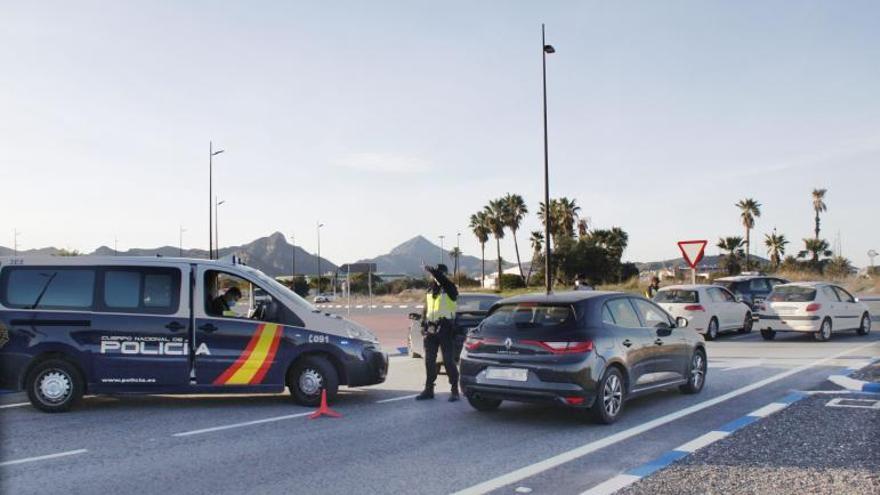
[470,311]
[324,298]
[709,309]
[590,351]
[819,308]
[751,289]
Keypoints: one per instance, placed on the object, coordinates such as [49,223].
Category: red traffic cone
[324,410]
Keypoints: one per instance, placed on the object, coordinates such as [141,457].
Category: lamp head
[549,49]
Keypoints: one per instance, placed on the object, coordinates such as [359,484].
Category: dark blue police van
[122,325]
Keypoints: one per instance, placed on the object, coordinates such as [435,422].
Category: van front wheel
[309,377]
[54,385]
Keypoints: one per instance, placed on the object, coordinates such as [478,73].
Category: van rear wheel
[308,377]
[54,385]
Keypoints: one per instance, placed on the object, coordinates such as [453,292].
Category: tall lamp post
[217,204]
[548,280]
[15,234]
[211,155]
[457,258]
[180,242]
[293,259]
[872,254]
[441,247]
[319,256]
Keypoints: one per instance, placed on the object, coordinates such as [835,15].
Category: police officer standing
[439,331]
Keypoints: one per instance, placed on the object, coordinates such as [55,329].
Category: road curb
[629,477]
[848,383]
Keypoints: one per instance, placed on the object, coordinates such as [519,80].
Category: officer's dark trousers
[444,340]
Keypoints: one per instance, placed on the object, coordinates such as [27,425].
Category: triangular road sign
[692,251]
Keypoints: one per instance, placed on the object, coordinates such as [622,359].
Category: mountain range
[274,256]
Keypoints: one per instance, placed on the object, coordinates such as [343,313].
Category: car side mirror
[681,322]
[415,316]
[739,299]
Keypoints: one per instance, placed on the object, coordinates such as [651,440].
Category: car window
[471,303]
[527,315]
[606,315]
[231,296]
[829,293]
[677,296]
[722,295]
[49,288]
[758,285]
[843,294]
[792,293]
[141,290]
[775,281]
[652,316]
[623,313]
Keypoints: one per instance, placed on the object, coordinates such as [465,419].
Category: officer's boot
[426,394]
[453,396]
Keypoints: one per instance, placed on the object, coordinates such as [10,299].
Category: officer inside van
[222,305]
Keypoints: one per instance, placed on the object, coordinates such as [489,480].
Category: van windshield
[792,293]
[677,296]
[529,316]
[296,298]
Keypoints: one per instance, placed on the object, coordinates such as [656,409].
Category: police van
[123,325]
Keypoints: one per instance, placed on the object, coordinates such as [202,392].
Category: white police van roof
[88,260]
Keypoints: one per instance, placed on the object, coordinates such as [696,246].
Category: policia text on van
[151,325]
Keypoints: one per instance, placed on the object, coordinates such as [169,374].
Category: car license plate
[513,374]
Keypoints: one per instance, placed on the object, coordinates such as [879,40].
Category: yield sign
[692,251]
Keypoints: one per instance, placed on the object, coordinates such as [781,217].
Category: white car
[709,309]
[819,308]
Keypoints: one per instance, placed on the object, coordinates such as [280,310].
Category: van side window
[48,288]
[141,290]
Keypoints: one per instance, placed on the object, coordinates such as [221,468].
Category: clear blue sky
[389,119]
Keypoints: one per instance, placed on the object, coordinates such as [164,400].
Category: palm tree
[775,247]
[537,242]
[749,211]
[568,212]
[455,254]
[733,246]
[819,206]
[480,227]
[815,248]
[515,211]
[583,227]
[496,212]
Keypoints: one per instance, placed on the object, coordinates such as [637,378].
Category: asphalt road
[386,442]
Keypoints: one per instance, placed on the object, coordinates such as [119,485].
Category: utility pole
[548,280]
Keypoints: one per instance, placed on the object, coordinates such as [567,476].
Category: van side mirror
[681,322]
[415,316]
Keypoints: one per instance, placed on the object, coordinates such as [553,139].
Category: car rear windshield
[677,296]
[792,293]
[529,316]
[471,303]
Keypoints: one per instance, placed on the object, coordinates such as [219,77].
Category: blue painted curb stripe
[871,387]
[658,463]
[738,423]
[792,398]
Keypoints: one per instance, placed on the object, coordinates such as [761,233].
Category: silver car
[471,309]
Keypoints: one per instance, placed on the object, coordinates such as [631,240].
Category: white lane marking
[44,457]
[395,399]
[239,425]
[768,409]
[612,485]
[387,306]
[702,441]
[359,306]
[588,448]
[18,404]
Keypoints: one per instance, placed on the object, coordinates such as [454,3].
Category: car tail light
[694,307]
[574,401]
[572,347]
[474,343]
[812,307]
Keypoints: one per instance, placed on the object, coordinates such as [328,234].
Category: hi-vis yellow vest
[439,306]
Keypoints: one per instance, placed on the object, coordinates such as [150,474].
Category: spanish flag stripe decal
[270,358]
[256,357]
[226,375]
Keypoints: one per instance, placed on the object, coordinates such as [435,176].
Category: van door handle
[627,343]
[658,342]
[208,328]
[175,326]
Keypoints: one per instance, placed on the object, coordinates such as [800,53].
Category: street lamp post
[217,204]
[872,254]
[211,154]
[548,281]
[293,260]
[441,247]
[319,256]
[15,234]
[180,242]
[458,258]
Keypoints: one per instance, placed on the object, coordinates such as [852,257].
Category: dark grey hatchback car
[587,350]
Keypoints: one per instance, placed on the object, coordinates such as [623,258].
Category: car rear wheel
[696,374]
[308,377]
[865,327]
[484,405]
[609,397]
[54,385]
[824,333]
[712,329]
[748,323]
[768,334]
